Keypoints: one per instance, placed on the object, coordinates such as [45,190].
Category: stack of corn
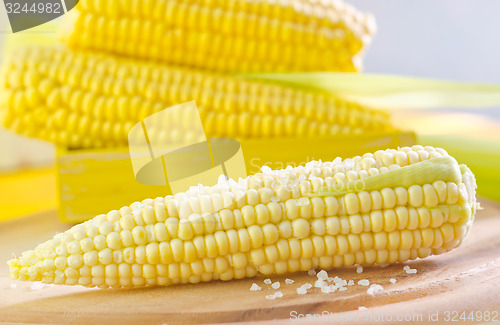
[128,61]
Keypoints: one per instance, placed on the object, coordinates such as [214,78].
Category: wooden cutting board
[466,279]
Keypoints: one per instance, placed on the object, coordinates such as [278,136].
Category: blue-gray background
[447,39]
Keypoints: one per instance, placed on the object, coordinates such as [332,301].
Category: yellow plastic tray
[91,182]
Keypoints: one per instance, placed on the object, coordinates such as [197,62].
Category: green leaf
[390,91]
[481,156]
[424,172]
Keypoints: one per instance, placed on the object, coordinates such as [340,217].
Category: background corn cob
[82,100]
[226,35]
[269,223]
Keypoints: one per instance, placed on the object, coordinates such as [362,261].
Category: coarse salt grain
[275,285]
[320,283]
[255,287]
[37,286]
[301,290]
[363,282]
[325,289]
[13,285]
[362,308]
[266,169]
[359,269]
[311,272]
[307,285]
[289,281]
[350,283]
[270,297]
[278,294]
[322,275]
[374,288]
[342,289]
[392,280]
[268,281]
[409,270]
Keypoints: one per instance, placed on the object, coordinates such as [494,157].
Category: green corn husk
[481,156]
[391,91]
[425,172]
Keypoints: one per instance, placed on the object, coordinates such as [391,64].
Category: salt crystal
[311,272]
[374,288]
[325,289]
[301,290]
[363,282]
[13,285]
[289,281]
[275,285]
[332,288]
[342,289]
[322,275]
[268,281]
[392,280]
[37,286]
[362,308]
[255,287]
[278,294]
[270,297]
[320,283]
[329,279]
[409,270]
[350,283]
[266,169]
[359,269]
[222,180]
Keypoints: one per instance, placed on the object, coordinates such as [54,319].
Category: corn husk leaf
[482,156]
[391,91]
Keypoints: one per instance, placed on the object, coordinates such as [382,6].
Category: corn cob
[416,202]
[226,35]
[82,100]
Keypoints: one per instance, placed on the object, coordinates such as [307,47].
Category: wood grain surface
[466,279]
